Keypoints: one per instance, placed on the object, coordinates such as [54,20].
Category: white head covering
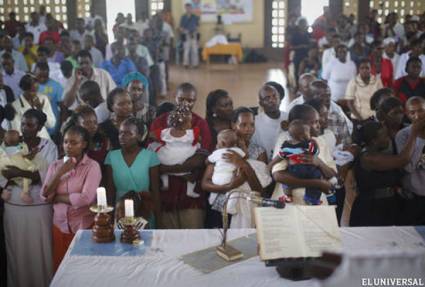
[389,40]
[415,18]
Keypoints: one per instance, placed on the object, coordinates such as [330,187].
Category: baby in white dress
[175,144]
[227,140]
[224,171]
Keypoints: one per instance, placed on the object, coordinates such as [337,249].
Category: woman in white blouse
[359,91]
[30,99]
[339,72]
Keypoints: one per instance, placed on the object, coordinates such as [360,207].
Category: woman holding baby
[28,224]
[249,166]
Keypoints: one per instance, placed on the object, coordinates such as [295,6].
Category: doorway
[311,10]
[113,7]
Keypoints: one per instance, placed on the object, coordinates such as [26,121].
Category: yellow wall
[252,32]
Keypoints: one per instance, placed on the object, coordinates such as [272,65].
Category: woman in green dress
[132,172]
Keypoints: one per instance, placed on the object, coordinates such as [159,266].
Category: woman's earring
[214,115]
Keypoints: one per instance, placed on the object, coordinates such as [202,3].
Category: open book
[296,231]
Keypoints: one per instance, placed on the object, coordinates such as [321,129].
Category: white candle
[129,208]
[101,197]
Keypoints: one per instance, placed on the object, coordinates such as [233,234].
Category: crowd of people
[78,112]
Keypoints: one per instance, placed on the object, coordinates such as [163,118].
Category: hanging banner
[231,11]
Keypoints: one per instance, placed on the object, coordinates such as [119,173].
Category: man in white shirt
[85,72]
[35,26]
[267,122]
[95,53]
[80,32]
[11,76]
[416,50]
[338,122]
[18,58]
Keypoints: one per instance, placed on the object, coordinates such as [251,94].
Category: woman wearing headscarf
[137,86]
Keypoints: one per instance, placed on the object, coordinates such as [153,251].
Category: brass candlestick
[131,227]
[103,229]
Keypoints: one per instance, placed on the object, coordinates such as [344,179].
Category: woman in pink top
[71,185]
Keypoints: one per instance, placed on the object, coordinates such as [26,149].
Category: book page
[296,231]
[278,233]
[320,229]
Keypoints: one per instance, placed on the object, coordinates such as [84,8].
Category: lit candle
[101,197]
[129,208]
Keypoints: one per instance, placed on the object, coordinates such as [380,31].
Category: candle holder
[131,227]
[103,229]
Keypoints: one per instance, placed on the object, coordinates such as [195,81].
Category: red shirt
[387,72]
[405,88]
[11,27]
[54,35]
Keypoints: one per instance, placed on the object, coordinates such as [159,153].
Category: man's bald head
[415,108]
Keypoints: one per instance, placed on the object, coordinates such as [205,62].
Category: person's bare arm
[274,161]
[288,179]
[208,185]
[326,171]
[301,68]
[62,198]
[381,162]
[12,172]
[263,157]
[244,167]
[353,109]
[51,187]
[70,96]
[194,162]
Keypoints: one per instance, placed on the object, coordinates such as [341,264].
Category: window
[278,23]
[83,8]
[401,7]
[23,9]
[350,7]
[156,6]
